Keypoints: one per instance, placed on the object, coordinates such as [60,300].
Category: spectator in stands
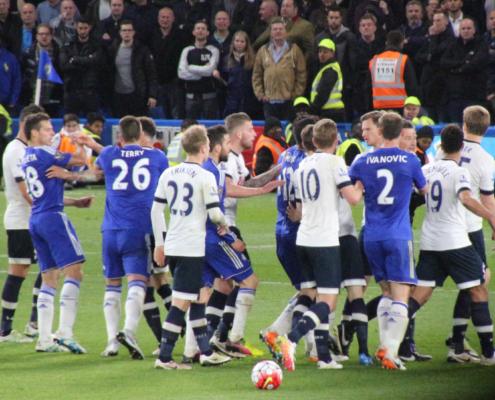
[51,93]
[196,66]
[97,11]
[10,25]
[145,17]
[188,12]
[135,89]
[242,13]
[279,74]
[433,79]
[381,9]
[392,75]
[167,43]
[80,62]
[319,16]
[368,44]
[424,139]
[412,110]
[327,87]
[64,26]
[269,146]
[10,78]
[25,36]
[268,9]
[466,61]
[95,123]
[431,7]
[345,44]
[456,15]
[108,29]
[350,148]
[300,31]
[48,10]
[414,31]
[221,39]
[238,74]
[490,40]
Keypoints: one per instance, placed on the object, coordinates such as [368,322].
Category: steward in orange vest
[269,146]
[392,75]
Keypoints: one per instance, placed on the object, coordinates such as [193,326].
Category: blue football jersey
[219,173]
[289,161]
[388,176]
[131,177]
[47,194]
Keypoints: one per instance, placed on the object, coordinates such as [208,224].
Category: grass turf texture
[25,374]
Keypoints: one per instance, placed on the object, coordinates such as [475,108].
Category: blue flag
[46,71]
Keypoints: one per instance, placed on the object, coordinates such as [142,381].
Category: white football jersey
[234,168]
[189,191]
[444,226]
[317,183]
[479,163]
[346,220]
[18,210]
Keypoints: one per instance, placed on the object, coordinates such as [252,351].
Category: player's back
[219,175]
[444,226]
[131,176]
[289,162]
[189,190]
[18,209]
[318,180]
[47,193]
[388,175]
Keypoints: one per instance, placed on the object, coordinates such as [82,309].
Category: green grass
[25,374]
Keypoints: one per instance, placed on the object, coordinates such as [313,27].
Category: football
[267,375]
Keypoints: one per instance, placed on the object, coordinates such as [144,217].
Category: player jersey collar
[471,141]
[22,141]
[190,162]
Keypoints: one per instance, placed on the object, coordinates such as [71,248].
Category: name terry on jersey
[131,153]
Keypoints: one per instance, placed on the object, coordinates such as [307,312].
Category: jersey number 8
[36,188]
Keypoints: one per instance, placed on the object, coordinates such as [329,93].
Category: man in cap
[411,111]
[326,89]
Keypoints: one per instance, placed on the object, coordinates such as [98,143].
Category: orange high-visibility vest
[387,79]
[271,144]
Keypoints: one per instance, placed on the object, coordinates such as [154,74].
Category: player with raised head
[54,238]
[388,175]
[20,248]
[479,163]
[319,180]
[445,248]
[285,235]
[192,195]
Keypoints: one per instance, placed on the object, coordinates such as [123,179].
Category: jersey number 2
[383,198]
[140,174]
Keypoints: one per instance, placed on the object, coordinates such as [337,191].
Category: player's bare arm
[237,191]
[263,179]
[88,176]
[82,202]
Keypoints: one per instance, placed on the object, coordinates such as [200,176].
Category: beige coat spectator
[279,73]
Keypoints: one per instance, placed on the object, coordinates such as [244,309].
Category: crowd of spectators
[208,58]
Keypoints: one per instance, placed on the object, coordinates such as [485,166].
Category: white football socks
[69,300]
[134,305]
[111,310]
[396,326]
[282,324]
[190,344]
[382,312]
[243,304]
[45,313]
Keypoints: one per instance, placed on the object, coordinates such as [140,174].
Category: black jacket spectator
[467,65]
[143,74]
[433,80]
[51,93]
[10,30]
[80,64]
[490,40]
[242,16]
[187,12]
[145,20]
[357,8]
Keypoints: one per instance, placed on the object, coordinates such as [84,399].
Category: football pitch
[25,374]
